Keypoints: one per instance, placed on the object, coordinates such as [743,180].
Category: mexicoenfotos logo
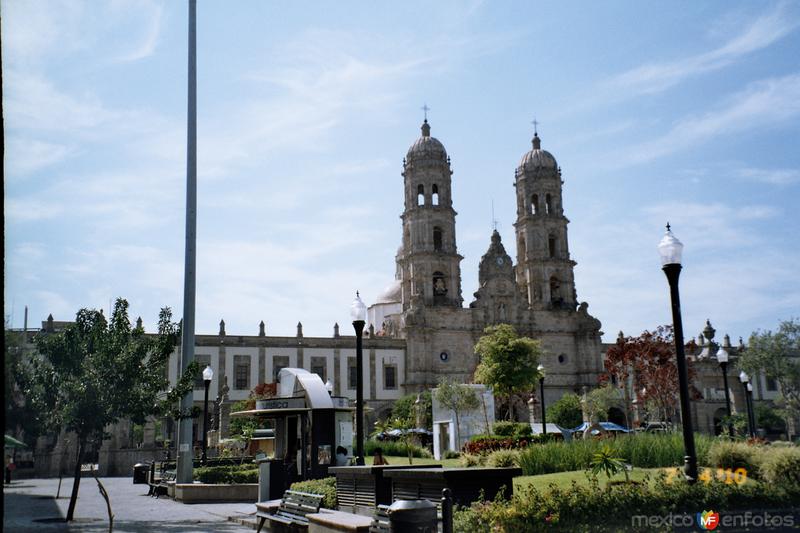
[708,520]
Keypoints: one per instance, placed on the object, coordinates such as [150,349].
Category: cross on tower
[425,108]
[494,220]
[535,124]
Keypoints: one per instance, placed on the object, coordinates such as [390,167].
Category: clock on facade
[499,261]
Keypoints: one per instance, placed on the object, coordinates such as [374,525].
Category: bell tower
[428,260]
[544,269]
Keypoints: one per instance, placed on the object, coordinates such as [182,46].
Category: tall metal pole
[544,420]
[673,272]
[724,367]
[185,458]
[751,416]
[205,423]
[358,325]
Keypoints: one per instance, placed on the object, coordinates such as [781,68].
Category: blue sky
[683,112]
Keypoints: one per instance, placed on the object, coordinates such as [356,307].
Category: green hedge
[597,508]
[325,486]
[394,448]
[518,430]
[645,450]
[227,474]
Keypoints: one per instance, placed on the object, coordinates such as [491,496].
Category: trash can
[413,516]
[140,473]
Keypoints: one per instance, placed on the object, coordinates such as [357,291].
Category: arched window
[522,250]
[435,195]
[437,239]
[555,290]
[548,204]
[439,285]
[420,194]
[551,244]
[535,204]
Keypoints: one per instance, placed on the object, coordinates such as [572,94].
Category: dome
[427,146]
[538,158]
[391,294]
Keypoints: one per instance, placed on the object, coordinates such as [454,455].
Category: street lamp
[329,387]
[751,409]
[745,379]
[670,249]
[722,359]
[358,312]
[208,375]
[540,368]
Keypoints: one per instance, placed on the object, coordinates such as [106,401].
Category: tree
[96,372]
[567,411]
[405,408]
[20,414]
[647,362]
[599,400]
[508,362]
[777,355]
[457,397]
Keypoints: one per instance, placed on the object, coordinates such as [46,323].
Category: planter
[201,492]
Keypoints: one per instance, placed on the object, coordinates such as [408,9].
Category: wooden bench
[381,522]
[291,513]
[161,488]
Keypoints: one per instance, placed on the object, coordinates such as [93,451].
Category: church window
[352,373]
[437,239]
[535,204]
[439,286]
[555,290]
[522,249]
[435,193]
[562,358]
[548,204]
[279,362]
[421,195]
[319,367]
[241,372]
[772,384]
[389,376]
[204,360]
[551,244]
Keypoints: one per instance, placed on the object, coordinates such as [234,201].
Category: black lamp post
[540,368]
[745,379]
[722,359]
[208,375]
[358,312]
[753,422]
[670,249]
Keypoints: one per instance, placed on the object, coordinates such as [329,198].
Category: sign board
[281,403]
[185,447]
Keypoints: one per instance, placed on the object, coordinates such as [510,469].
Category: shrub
[325,486]
[647,450]
[451,454]
[226,474]
[567,411]
[517,430]
[593,507]
[733,455]
[781,466]
[503,458]
[394,448]
[468,460]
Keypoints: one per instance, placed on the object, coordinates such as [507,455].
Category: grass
[564,479]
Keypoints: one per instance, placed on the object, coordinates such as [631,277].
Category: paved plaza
[30,506]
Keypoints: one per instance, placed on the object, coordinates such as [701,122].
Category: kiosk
[309,425]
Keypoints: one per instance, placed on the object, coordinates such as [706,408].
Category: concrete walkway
[30,506]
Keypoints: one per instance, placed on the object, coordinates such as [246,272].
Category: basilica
[535,293]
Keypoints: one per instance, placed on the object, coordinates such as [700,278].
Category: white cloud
[152,13]
[775,176]
[25,156]
[657,77]
[763,103]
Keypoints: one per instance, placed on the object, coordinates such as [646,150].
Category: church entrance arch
[617,416]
